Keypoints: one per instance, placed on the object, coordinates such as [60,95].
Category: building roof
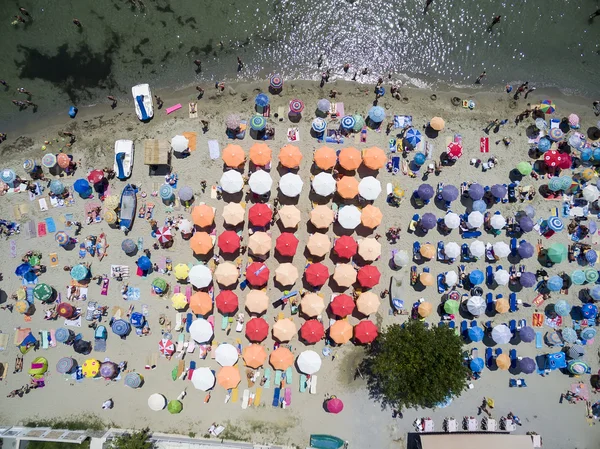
[476,441]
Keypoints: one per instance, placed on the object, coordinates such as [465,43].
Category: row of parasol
[93,368]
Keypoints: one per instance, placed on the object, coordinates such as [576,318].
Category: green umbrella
[578,277]
[160,284]
[557,252]
[524,168]
[591,275]
[175,407]
[359,122]
[451,306]
[43,292]
[34,260]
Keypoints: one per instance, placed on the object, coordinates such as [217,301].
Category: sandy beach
[362,422]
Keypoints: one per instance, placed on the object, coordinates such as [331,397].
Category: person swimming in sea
[494,22]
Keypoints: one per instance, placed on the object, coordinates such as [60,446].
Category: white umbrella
[260,182]
[501,334]
[497,221]
[401,258]
[349,217]
[226,354]
[501,277]
[477,248]
[203,378]
[179,144]
[200,276]
[591,193]
[452,250]
[475,219]
[452,220]
[451,278]
[324,184]
[291,184]
[201,331]
[369,188]
[476,305]
[157,402]
[501,249]
[309,362]
[186,226]
[232,181]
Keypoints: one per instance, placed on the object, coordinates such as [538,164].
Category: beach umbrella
[525,168]
[413,137]
[317,274]
[65,365]
[420,159]
[425,309]
[120,327]
[260,182]
[591,275]
[454,150]
[201,330]
[554,283]
[588,333]
[159,286]
[63,335]
[200,276]
[591,256]
[318,244]
[345,247]
[203,378]
[186,194]
[475,219]
[254,356]
[552,158]
[129,246]
[341,331]
[257,274]
[108,370]
[502,306]
[590,193]
[233,214]
[374,158]
[296,106]
[233,121]
[426,279]
[578,277]
[587,174]
[501,334]
[8,176]
[569,335]
[349,217]
[450,278]
[260,154]
[226,354]
[371,216]
[164,235]
[325,158]
[589,311]
[527,334]
[201,243]
[501,277]
[42,292]
[287,244]
[324,184]
[595,292]
[62,238]
[367,303]
[258,122]
[229,242]
[586,153]
[259,243]
[425,192]
[557,252]
[497,221]
[547,107]
[350,158]
[319,125]
[562,308]
[49,160]
[526,223]
[179,301]
[427,251]
[475,334]
[451,306]
[65,310]
[544,145]
[157,402]
[261,100]
[323,105]
[284,330]
[576,351]
[23,269]
[312,331]
[452,250]
[368,276]
[281,359]
[428,221]
[175,407]
[165,192]
[226,274]
[286,274]
[233,155]
[144,263]
[342,305]
[228,377]
[476,365]
[348,122]
[369,188]
[322,216]
[260,215]
[181,271]
[476,277]
[312,305]
[291,185]
[179,144]
[437,123]
[201,303]
[503,361]
[476,191]
[377,114]
[90,368]
[22,306]
[452,220]
[499,191]
[276,82]
[449,193]
[79,272]
[556,134]
[578,367]
[573,120]
[365,332]
[526,250]
[64,160]
[290,156]
[57,187]
[309,362]
[401,258]
[257,330]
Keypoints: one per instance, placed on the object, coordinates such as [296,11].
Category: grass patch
[51,445]
[79,422]
[255,430]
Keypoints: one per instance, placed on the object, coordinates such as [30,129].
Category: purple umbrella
[428,221]
[425,192]
[476,191]
[592,227]
[527,334]
[525,250]
[527,365]
[528,279]
[109,370]
[449,193]
[499,191]
[526,224]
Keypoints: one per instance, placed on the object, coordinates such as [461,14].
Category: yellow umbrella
[426,279]
[322,217]
[368,303]
[111,202]
[427,251]
[437,123]
[398,192]
[369,249]
[181,271]
[425,309]
[312,305]
[289,216]
[344,275]
[257,302]
[587,174]
[90,368]
[503,361]
[259,243]
[21,294]
[286,274]
[502,305]
[284,330]
[179,301]
[226,274]
[110,216]
[341,331]
[22,306]
[233,214]
[318,244]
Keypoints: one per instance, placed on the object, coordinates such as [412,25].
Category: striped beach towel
[484,145]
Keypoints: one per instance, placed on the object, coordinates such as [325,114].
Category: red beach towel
[484,145]
[41,229]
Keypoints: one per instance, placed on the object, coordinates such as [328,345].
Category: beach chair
[513,302]
[513,358]
[276,393]
[489,298]
[416,251]
[450,425]
[313,384]
[267,376]
[440,283]
[395,165]
[303,380]
[489,275]
[465,254]
[512,325]
[539,340]
[513,247]
[489,357]
[277,380]
[289,376]
[498,352]
[45,340]
[464,327]
[188,321]
[489,424]
[178,322]
[287,397]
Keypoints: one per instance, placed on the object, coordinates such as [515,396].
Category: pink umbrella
[573,120]
[334,405]
[166,347]
[164,235]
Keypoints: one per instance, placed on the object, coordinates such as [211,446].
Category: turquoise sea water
[123,42]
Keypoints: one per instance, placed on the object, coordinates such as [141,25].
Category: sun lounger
[303,381]
[489,357]
[395,165]
[471,234]
[508,425]
[489,424]
[313,384]
[450,425]
[234,394]
[276,393]
[539,340]
[178,322]
[513,358]
[489,298]
[512,325]
[188,321]
[471,424]
[245,398]
[464,328]
[288,397]
[45,342]
[173,108]
[267,376]
[277,380]
[289,376]
[513,302]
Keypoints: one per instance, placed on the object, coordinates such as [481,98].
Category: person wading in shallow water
[494,22]
[427,4]
[77,23]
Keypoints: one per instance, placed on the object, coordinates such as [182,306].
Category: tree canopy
[136,440]
[412,366]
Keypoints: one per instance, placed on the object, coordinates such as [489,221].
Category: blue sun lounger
[471,234]
[440,283]
[416,251]
[489,298]
[465,254]
[512,325]
[395,165]
[513,358]
[513,247]
[489,275]
[489,357]
[513,302]
[539,340]
[464,329]
[276,393]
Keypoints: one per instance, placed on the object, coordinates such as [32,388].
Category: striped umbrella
[29,165]
[555,224]
[164,234]
[555,185]
[578,367]
[8,176]
[61,237]
[319,125]
[413,137]
[62,335]
[258,122]
[569,335]
[562,308]
[547,107]
[296,106]
[133,380]
[49,160]
[556,134]
[110,216]
[57,187]
[79,272]
[348,122]
[588,333]
[165,192]
[262,100]
[65,365]
[120,327]
[276,81]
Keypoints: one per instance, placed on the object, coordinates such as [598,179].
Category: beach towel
[266,111]
[402,121]
[192,140]
[213,149]
[13,249]
[20,335]
[288,397]
[50,225]
[73,323]
[281,113]
[174,108]
[193,105]
[3,341]
[257,397]
[234,394]
[554,323]
[43,204]
[339,107]
[41,229]
[537,320]
[293,135]
[20,211]
[484,145]
[30,229]
[68,218]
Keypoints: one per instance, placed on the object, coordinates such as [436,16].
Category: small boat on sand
[127,208]
[142,100]
[123,158]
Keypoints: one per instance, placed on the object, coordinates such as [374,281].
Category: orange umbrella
[259,243]
[344,275]
[325,158]
[201,303]
[368,303]
[282,358]
[254,356]
[371,216]
[289,216]
[312,305]
[229,377]
[260,154]
[503,361]
[437,123]
[201,243]
[426,279]
[226,274]
[425,309]
[502,305]
[286,274]
[322,217]
[350,158]
[257,302]
[347,187]
[341,331]
[203,215]
[427,251]
[284,330]
[233,155]
[318,244]
[63,160]
[233,214]
[374,158]
[290,156]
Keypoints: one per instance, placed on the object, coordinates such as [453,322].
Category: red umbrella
[317,274]
[365,332]
[345,247]
[565,161]
[342,305]
[227,302]
[164,234]
[552,158]
[166,347]
[312,331]
[260,215]
[257,330]
[257,274]
[454,150]
[65,310]
[286,244]
[335,405]
[229,242]
[368,276]
[96,176]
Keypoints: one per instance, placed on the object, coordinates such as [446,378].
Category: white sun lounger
[491,425]
[313,384]
[245,398]
[451,425]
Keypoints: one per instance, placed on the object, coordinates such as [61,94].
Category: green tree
[135,440]
[412,366]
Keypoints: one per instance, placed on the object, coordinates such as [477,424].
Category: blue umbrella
[144,263]
[82,186]
[499,191]
[569,335]
[476,191]
[476,277]
[555,224]
[121,327]
[586,154]
[525,250]
[555,283]
[323,105]
[377,114]
[79,272]
[165,192]
[22,269]
[29,165]
[544,144]
[449,193]
[578,277]
[57,187]
[596,154]
[319,125]
[30,276]
[262,100]
[554,184]
[62,238]
[565,182]
[527,279]
[258,123]
[595,292]
[526,334]
[62,335]
[476,365]
[593,227]
[128,246]
[8,176]
[479,206]
[588,333]
[348,122]
[589,311]
[420,159]
[526,224]
[425,192]
[527,365]
[186,193]
[530,211]
[475,334]
[428,221]
[413,137]
[562,307]
[591,256]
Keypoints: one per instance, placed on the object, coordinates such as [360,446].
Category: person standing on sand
[494,22]
[77,23]
[114,101]
[427,4]
[596,13]
[200,92]
[480,77]
[521,89]
[159,102]
[531,89]
[240,64]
